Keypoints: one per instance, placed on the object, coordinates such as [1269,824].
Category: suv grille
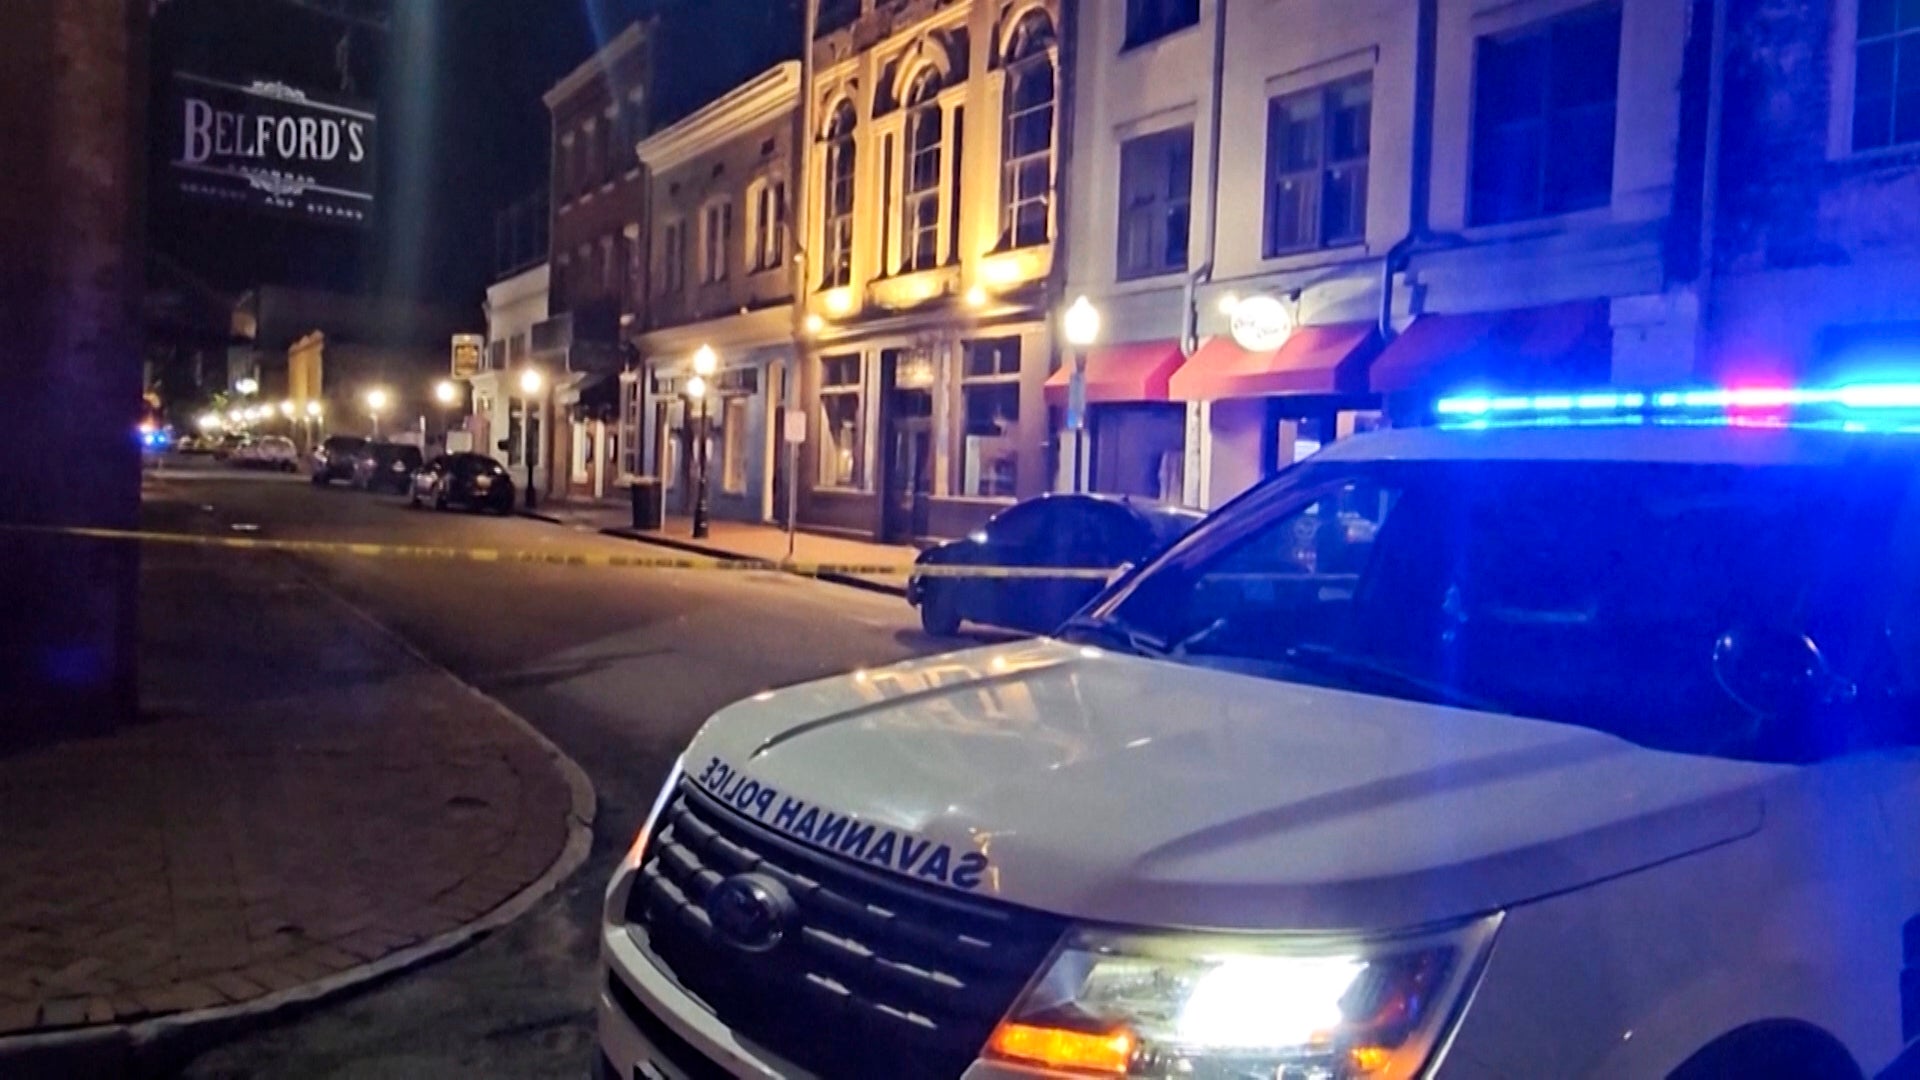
[876,977]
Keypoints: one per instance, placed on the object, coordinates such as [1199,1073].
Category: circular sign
[1261,324]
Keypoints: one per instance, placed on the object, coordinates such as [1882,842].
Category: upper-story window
[920,196]
[716,238]
[1026,186]
[594,136]
[1886,79]
[1317,143]
[838,197]
[610,129]
[766,224]
[1156,197]
[673,258]
[565,168]
[1544,105]
[1151,19]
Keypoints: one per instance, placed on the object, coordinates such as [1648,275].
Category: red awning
[1134,372]
[1561,345]
[1314,360]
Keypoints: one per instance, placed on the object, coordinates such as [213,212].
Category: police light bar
[1678,402]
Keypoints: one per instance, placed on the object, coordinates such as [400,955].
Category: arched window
[920,204]
[1026,184]
[838,248]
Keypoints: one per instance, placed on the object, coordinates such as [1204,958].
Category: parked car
[1083,532]
[275,452]
[228,445]
[1595,754]
[473,481]
[386,466]
[334,458]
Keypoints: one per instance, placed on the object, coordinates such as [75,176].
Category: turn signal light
[1059,1048]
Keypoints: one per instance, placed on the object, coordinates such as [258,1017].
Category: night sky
[463,132]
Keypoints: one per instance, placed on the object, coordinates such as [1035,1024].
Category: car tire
[939,615]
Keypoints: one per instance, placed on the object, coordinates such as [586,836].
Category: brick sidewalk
[303,797]
[745,540]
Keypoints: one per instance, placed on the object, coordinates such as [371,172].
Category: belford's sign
[273,146]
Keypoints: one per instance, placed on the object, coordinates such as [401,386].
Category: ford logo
[751,912]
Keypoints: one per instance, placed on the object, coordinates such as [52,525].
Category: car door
[1014,539]
[1089,535]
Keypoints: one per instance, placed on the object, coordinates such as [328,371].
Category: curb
[691,547]
[694,548]
[148,1046]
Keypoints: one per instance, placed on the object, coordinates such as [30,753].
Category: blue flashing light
[1865,397]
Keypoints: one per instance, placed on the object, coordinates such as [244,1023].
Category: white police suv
[1534,746]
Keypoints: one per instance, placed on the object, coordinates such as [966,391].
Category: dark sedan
[1083,532]
[473,481]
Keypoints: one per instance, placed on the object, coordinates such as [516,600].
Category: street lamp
[1082,326]
[376,404]
[247,387]
[705,363]
[444,392]
[531,384]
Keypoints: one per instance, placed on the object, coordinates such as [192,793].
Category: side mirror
[1771,672]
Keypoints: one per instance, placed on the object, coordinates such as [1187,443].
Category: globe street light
[376,404]
[247,387]
[444,392]
[1082,327]
[531,383]
[705,363]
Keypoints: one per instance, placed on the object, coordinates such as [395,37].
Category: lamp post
[377,399]
[531,383]
[448,395]
[705,363]
[1082,326]
[312,423]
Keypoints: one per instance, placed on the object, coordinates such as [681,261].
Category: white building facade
[515,305]
[721,275]
[1297,215]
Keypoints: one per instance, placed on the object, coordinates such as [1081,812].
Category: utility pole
[73,85]
[799,233]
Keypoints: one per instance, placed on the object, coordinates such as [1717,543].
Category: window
[631,402]
[843,451]
[673,258]
[733,445]
[1317,166]
[497,355]
[1148,20]
[920,202]
[593,140]
[1544,117]
[989,462]
[1026,184]
[838,248]
[716,238]
[609,147]
[566,169]
[609,267]
[1156,189]
[767,229]
[1886,79]
[517,348]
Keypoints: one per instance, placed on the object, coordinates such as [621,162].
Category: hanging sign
[267,145]
[1261,323]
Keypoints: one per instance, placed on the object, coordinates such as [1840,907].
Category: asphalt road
[618,667]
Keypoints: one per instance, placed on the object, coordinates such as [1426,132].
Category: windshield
[1581,592]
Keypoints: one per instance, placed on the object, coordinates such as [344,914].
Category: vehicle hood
[1114,788]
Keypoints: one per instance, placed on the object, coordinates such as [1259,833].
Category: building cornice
[768,326]
[762,98]
[579,78]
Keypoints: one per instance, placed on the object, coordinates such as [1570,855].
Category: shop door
[906,388]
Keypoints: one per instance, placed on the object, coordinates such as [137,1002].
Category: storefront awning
[1314,360]
[1560,345]
[1132,372]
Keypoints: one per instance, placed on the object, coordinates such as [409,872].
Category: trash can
[649,507]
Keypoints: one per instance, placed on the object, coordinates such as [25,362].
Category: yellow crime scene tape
[535,557]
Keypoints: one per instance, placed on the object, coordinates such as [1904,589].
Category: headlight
[1219,1007]
[615,902]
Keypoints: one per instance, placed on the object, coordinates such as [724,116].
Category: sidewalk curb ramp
[161,1045]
